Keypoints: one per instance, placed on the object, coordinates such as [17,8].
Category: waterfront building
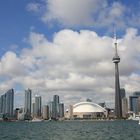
[111,113]
[124,103]
[9,104]
[45,112]
[0,105]
[134,102]
[3,104]
[16,113]
[124,107]
[61,110]
[118,103]
[38,104]
[28,101]
[138,103]
[21,114]
[51,110]
[55,108]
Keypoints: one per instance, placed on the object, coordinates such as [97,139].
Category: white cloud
[75,65]
[71,12]
[95,13]
[11,65]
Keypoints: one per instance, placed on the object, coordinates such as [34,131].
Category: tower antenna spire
[115,42]
[115,35]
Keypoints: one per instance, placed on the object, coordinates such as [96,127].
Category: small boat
[36,120]
[134,117]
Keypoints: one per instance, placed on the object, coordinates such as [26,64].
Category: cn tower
[118,102]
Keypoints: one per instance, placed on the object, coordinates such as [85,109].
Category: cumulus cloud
[71,12]
[75,65]
[95,13]
[11,65]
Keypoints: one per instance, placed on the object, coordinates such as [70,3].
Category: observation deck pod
[116,59]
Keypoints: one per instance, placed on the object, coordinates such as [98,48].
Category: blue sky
[26,25]
[16,22]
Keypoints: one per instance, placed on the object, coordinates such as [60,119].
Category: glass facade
[38,105]
[28,101]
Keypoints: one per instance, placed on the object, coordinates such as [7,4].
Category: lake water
[70,130]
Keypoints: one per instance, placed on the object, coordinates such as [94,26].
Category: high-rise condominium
[61,110]
[9,103]
[38,106]
[134,102]
[28,101]
[56,106]
[2,104]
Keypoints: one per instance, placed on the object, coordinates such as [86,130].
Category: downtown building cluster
[35,110]
[31,110]
[130,108]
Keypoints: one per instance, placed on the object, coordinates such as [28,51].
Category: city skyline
[34,102]
[69,54]
[57,110]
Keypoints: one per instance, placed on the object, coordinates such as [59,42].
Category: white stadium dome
[87,107]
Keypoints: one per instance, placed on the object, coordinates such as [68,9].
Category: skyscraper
[9,103]
[3,104]
[28,101]
[118,103]
[56,109]
[56,106]
[138,104]
[38,106]
[61,110]
[134,102]
[51,110]
[0,105]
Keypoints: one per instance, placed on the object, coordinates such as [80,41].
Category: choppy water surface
[70,130]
